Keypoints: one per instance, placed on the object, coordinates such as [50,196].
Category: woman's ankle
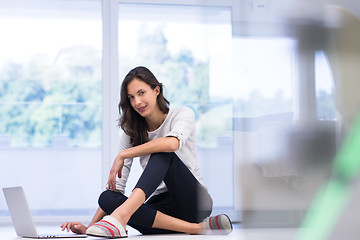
[124,212]
[122,218]
[197,229]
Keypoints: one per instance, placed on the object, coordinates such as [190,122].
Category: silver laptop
[22,218]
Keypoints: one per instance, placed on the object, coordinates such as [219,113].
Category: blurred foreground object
[334,212]
[287,158]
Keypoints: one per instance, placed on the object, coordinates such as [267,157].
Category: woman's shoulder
[182,110]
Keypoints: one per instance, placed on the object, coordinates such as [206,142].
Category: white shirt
[179,123]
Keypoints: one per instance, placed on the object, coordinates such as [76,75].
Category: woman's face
[142,97]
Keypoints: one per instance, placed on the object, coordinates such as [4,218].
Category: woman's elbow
[173,144]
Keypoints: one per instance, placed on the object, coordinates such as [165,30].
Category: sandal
[108,227]
[219,224]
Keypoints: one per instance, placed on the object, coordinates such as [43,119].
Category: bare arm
[163,144]
[78,228]
[97,217]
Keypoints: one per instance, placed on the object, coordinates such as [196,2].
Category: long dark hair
[130,121]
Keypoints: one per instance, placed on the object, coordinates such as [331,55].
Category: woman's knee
[162,158]
[110,200]
[161,155]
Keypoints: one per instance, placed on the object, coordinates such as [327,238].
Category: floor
[8,233]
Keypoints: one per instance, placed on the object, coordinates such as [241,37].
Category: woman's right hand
[115,170]
[75,227]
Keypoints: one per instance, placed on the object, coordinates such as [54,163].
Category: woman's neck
[155,121]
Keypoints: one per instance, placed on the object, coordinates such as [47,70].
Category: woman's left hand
[75,227]
[115,170]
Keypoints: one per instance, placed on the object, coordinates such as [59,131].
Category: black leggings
[185,199]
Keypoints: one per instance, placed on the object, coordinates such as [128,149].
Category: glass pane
[189,51]
[50,103]
[264,86]
[325,104]
[264,98]
[263,105]
[264,114]
[282,161]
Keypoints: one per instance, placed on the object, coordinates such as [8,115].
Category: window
[262,85]
[283,152]
[54,72]
[324,89]
[50,103]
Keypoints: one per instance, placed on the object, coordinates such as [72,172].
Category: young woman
[170,196]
